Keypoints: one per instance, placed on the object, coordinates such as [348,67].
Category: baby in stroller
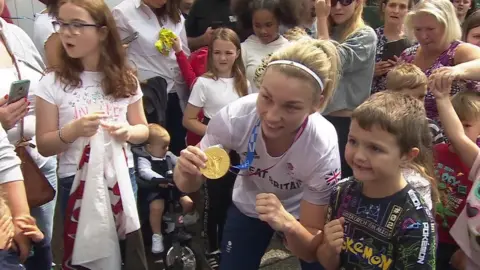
[154,164]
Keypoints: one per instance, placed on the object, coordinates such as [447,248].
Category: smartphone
[217,24]
[18,90]
[130,38]
[394,48]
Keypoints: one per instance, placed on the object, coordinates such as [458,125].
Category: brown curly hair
[119,80]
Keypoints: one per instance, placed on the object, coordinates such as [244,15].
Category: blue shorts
[245,241]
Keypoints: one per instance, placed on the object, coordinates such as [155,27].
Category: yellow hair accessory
[165,41]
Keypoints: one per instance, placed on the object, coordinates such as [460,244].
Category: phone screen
[18,90]
[130,38]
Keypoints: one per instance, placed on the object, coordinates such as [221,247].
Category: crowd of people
[358,147]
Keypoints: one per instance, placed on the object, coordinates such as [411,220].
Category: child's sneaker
[213,260]
[157,244]
[190,218]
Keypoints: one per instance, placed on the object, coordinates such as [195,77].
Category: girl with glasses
[92,83]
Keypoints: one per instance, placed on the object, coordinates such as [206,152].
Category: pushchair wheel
[180,258]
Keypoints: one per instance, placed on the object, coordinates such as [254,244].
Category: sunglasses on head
[342,2]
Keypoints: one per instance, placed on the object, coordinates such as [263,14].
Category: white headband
[300,66]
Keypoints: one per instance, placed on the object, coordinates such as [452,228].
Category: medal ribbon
[252,142]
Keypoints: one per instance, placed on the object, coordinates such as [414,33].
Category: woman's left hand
[271,210]
[121,132]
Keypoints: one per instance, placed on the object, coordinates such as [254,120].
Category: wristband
[61,137]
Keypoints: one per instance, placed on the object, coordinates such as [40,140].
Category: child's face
[373,155]
[82,38]
[472,129]
[224,55]
[418,93]
[158,150]
[265,25]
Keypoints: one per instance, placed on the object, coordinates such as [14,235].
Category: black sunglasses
[342,2]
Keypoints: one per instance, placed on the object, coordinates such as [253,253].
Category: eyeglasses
[344,3]
[75,28]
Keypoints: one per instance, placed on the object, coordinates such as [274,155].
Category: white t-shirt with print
[75,103]
[212,95]
[308,170]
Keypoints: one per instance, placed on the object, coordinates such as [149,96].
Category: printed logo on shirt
[367,253]
[232,18]
[453,193]
[332,177]
[286,186]
[393,217]
[416,202]
[425,242]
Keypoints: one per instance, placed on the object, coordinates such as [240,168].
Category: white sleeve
[46,89]
[138,94]
[323,178]
[145,169]
[219,130]
[197,96]
[122,25]
[9,162]
[183,38]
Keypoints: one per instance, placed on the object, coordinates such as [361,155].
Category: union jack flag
[333,177]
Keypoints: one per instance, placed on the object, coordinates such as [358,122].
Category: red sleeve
[187,71]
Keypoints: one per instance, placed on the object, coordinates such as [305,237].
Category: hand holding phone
[18,90]
[15,105]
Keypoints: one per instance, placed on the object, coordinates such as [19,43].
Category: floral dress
[379,82]
[446,59]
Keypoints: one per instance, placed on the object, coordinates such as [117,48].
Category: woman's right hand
[382,67]
[190,161]
[322,8]
[334,235]
[88,125]
[11,113]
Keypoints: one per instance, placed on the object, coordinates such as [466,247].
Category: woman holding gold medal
[289,152]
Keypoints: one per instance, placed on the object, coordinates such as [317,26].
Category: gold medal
[218,163]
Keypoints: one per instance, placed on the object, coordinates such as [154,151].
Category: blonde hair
[353,24]
[157,134]
[295,33]
[320,56]
[444,13]
[407,123]
[405,76]
[467,105]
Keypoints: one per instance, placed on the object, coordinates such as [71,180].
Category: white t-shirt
[212,95]
[254,51]
[74,103]
[9,75]
[308,170]
[42,30]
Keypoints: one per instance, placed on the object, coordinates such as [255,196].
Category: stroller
[179,253]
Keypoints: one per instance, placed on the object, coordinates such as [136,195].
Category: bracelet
[61,137]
